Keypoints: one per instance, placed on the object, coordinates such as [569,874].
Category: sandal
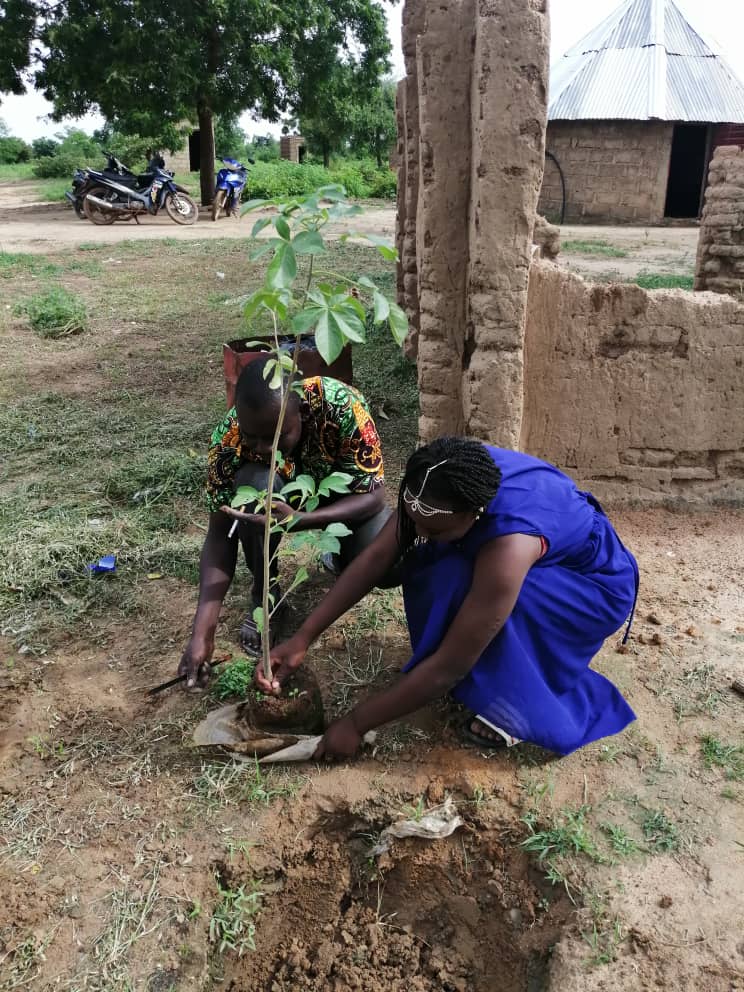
[496,743]
[249,636]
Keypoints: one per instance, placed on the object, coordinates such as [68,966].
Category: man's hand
[285,658]
[195,661]
[341,740]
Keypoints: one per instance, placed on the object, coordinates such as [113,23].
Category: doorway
[687,168]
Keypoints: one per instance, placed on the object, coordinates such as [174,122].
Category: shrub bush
[281,178]
[44,147]
[76,150]
[13,150]
[55,313]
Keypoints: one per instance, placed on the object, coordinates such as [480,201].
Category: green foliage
[332,309]
[277,179]
[232,927]
[229,138]
[661,834]
[373,123]
[76,149]
[663,280]
[568,834]
[620,841]
[234,679]
[263,148]
[13,150]
[588,247]
[131,149]
[17,21]
[729,757]
[44,147]
[231,56]
[55,313]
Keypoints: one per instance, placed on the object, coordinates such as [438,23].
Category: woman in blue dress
[512,581]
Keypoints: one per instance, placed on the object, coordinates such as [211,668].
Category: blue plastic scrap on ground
[103,565]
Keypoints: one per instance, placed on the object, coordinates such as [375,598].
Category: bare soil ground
[130,861]
[30,226]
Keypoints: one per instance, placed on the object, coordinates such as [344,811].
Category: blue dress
[534,680]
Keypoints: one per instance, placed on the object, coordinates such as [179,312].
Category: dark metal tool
[182,678]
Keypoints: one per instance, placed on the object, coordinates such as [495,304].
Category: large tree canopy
[143,64]
[17,21]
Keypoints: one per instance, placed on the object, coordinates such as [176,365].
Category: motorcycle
[82,183]
[126,197]
[229,188]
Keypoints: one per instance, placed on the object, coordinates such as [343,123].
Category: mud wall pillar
[472,124]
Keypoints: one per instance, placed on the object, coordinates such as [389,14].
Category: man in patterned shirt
[327,428]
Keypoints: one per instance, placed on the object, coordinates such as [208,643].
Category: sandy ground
[45,227]
[42,228]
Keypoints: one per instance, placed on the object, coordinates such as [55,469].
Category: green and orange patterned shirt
[338,435]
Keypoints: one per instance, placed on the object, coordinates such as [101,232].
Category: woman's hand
[285,659]
[341,740]
[280,514]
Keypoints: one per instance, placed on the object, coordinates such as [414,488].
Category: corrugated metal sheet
[645,62]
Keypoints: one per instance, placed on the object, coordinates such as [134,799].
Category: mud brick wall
[472,116]
[290,146]
[638,395]
[614,171]
[720,258]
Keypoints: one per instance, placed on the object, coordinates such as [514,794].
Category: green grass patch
[17,172]
[728,757]
[662,835]
[235,679]
[568,834]
[232,926]
[602,248]
[663,280]
[55,313]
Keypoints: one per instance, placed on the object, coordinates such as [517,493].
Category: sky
[719,21]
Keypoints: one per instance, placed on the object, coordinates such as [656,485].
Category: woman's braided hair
[467,480]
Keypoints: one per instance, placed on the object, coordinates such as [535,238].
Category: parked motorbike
[123,197]
[82,183]
[229,188]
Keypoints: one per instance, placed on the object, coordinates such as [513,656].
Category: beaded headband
[414,502]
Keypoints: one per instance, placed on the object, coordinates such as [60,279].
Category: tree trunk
[378,151]
[326,155]
[206,154]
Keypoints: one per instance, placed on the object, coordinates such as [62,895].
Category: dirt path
[43,228]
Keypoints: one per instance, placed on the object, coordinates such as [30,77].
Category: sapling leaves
[282,270]
[244,495]
[308,243]
[282,228]
[260,224]
[398,323]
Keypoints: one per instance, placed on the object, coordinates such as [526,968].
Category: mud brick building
[636,110]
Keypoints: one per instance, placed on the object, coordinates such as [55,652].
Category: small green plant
[330,307]
[663,280]
[568,834]
[661,834]
[603,248]
[604,940]
[55,313]
[620,841]
[416,811]
[235,679]
[232,926]
[729,757]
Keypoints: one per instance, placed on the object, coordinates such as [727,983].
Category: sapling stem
[267,557]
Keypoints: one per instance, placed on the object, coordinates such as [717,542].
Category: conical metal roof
[645,62]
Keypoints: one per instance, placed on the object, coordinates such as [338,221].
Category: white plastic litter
[440,821]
